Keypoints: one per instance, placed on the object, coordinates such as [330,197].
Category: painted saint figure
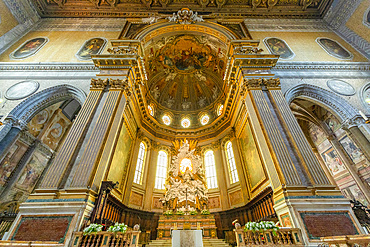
[91,47]
[29,48]
[279,47]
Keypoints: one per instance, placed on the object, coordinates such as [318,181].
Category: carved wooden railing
[109,210]
[259,208]
[106,239]
[283,237]
[349,240]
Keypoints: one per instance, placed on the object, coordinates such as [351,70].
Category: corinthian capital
[272,82]
[99,83]
[120,84]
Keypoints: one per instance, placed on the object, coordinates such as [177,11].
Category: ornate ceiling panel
[187,71]
[220,9]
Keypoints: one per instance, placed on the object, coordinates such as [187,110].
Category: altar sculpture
[186,189]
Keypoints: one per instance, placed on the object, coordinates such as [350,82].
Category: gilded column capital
[272,83]
[98,84]
[216,144]
[120,84]
[253,83]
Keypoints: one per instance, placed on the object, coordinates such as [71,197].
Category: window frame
[160,180]
[233,171]
[138,160]
[212,179]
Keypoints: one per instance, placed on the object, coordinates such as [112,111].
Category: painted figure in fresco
[29,48]
[91,47]
[334,49]
[184,53]
[279,47]
[353,151]
[5,171]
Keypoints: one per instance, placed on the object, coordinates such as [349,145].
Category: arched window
[231,161]
[209,160]
[140,164]
[161,175]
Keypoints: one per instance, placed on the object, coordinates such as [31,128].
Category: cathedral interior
[184,115]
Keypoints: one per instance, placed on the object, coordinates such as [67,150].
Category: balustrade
[106,239]
[283,237]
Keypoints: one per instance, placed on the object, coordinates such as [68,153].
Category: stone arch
[18,118]
[328,100]
[29,107]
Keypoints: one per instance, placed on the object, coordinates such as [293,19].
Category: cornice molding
[323,66]
[13,66]
[281,65]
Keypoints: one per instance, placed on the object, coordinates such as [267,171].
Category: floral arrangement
[205,212]
[179,212]
[261,226]
[92,229]
[168,213]
[193,212]
[118,227]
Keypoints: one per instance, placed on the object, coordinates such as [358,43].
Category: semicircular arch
[28,108]
[340,107]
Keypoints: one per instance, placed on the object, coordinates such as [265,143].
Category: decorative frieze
[253,83]
[131,50]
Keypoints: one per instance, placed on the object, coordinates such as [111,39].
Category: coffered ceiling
[220,9]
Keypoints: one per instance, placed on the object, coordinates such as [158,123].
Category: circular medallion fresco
[341,87]
[21,90]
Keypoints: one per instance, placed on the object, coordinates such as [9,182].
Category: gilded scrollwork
[130,50]
[243,50]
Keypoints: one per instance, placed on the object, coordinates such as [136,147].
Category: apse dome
[185,76]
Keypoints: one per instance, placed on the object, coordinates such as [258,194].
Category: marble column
[350,166]
[296,136]
[354,132]
[67,153]
[85,169]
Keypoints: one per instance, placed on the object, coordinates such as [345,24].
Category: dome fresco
[185,71]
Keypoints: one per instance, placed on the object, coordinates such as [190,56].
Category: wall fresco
[251,157]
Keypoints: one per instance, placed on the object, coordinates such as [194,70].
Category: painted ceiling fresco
[185,71]
[145,8]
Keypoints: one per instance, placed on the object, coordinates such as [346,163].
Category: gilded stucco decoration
[146,8]
[185,72]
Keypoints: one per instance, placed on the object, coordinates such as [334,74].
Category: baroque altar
[185,202]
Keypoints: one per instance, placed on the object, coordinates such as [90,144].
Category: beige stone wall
[62,46]
[305,47]
[7,19]
[355,23]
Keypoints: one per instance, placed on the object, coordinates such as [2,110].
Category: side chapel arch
[328,100]
[28,108]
